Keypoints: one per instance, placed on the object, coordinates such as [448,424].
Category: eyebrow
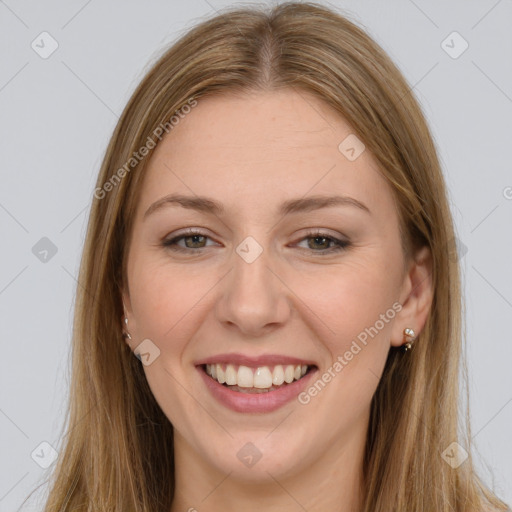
[209,205]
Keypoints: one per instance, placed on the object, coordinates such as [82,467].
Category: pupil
[317,238]
[195,237]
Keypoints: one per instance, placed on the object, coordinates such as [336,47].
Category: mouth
[254,387]
[262,379]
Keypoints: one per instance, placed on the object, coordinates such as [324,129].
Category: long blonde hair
[117,448]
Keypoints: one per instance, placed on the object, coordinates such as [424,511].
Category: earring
[409,333]
[126,334]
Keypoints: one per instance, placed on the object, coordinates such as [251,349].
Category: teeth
[231,378]
[245,377]
[278,375]
[220,374]
[289,374]
[262,377]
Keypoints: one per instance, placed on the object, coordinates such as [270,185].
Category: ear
[415,297]
[125,297]
[127,313]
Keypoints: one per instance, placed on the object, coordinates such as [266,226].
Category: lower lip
[255,402]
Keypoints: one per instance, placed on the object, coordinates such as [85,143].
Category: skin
[251,153]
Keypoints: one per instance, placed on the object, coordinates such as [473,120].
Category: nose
[253,299]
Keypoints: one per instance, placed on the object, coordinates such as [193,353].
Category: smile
[262,379]
[249,386]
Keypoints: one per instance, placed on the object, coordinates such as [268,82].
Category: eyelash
[172,242]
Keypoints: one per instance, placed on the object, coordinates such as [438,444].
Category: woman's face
[265,286]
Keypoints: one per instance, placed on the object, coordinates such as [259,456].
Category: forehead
[262,147]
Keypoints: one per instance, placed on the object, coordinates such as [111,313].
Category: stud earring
[126,334]
[409,333]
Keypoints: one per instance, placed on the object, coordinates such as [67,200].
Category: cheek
[354,314]
[349,300]
[169,305]
[161,296]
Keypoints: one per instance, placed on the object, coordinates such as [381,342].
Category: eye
[193,240]
[319,242]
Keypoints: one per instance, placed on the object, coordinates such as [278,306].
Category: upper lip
[254,361]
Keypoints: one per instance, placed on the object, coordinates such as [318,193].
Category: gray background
[58,113]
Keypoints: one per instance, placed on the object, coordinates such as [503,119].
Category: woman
[270,236]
